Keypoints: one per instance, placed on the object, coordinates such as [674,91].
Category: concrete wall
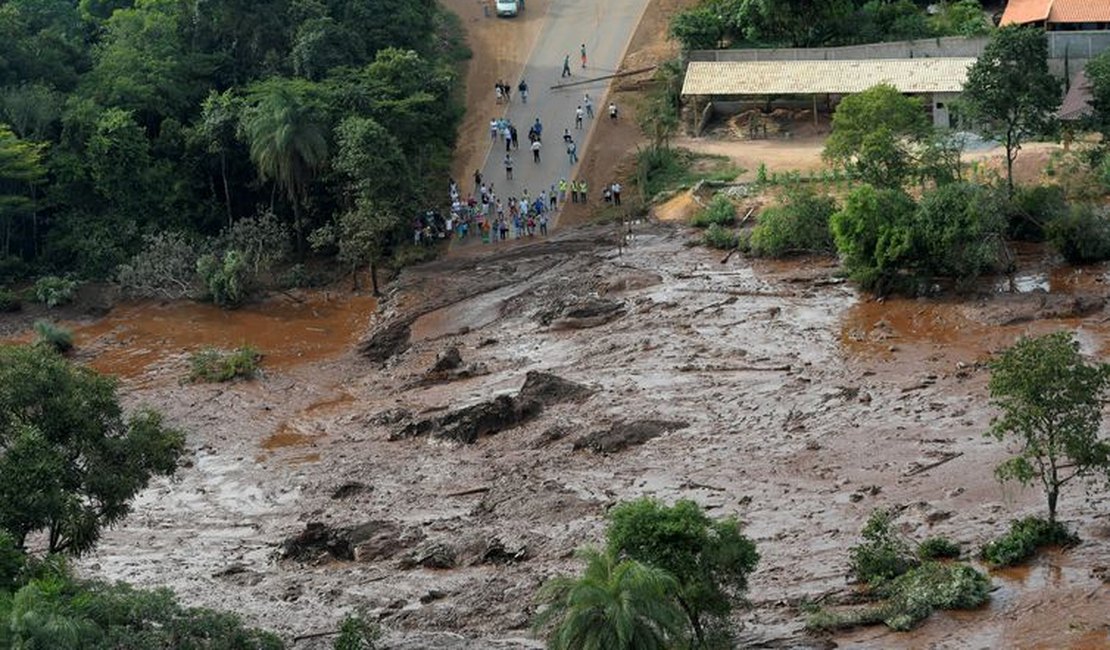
[950,46]
[1074,46]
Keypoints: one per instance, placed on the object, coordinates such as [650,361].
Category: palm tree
[615,605]
[287,145]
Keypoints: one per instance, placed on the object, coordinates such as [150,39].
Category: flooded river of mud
[805,406]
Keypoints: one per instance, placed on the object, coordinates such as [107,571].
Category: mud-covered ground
[769,391]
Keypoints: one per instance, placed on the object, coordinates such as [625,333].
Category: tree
[698,28]
[1098,75]
[1050,400]
[1010,92]
[709,559]
[287,141]
[216,129]
[615,605]
[874,235]
[20,169]
[875,133]
[70,462]
[958,231]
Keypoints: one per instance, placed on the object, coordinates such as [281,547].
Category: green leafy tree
[615,605]
[287,140]
[958,231]
[70,462]
[21,168]
[698,28]
[875,133]
[1098,75]
[1009,91]
[710,559]
[356,634]
[874,234]
[216,131]
[1050,400]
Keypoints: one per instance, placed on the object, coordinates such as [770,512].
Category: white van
[507,7]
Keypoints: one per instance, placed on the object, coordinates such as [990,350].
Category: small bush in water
[1025,538]
[212,365]
[53,336]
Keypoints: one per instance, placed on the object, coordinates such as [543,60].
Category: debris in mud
[349,489]
[387,341]
[390,416]
[496,552]
[622,435]
[433,555]
[449,367]
[631,282]
[501,413]
[239,575]
[551,435]
[583,314]
[1028,307]
[450,359]
[370,541]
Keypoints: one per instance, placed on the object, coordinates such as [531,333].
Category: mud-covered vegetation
[1025,537]
[137,128]
[904,582]
[214,366]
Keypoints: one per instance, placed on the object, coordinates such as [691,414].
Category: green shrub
[53,336]
[1032,209]
[1082,235]
[226,280]
[1025,538]
[721,211]
[956,232]
[720,237]
[884,554]
[799,224]
[911,597]
[874,235]
[53,291]
[937,548]
[211,365]
[10,301]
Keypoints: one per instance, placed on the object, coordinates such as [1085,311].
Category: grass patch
[1025,538]
[53,336]
[721,212]
[662,169]
[53,291]
[9,302]
[911,597]
[211,365]
[938,548]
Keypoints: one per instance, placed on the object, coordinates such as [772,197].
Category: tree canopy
[1050,402]
[874,134]
[70,461]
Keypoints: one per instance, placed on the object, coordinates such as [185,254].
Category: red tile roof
[1021,12]
[1079,11]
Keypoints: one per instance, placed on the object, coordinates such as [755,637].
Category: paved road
[606,27]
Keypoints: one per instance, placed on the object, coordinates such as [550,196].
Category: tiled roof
[1020,12]
[1079,11]
[924,75]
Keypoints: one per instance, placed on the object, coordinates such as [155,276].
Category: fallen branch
[924,468]
[463,493]
[693,368]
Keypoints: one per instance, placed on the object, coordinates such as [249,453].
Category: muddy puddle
[134,337]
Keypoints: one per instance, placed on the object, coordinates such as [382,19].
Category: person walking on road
[523,88]
[513,135]
[493,129]
[583,52]
[572,154]
[616,193]
[589,104]
[612,111]
[508,167]
[578,114]
[478,180]
[574,192]
[562,190]
[566,66]
[536,151]
[583,189]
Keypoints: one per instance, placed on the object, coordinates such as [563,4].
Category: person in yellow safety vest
[582,187]
[562,190]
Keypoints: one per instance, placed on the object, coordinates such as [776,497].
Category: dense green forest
[814,23]
[198,129]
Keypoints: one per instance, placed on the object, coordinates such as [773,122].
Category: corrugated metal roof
[1079,11]
[1020,12]
[925,75]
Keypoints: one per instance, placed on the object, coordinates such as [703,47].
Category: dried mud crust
[790,423]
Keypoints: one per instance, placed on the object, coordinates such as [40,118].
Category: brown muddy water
[133,337]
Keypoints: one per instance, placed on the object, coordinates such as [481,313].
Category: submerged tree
[1051,403]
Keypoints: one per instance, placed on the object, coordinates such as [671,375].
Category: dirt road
[605,29]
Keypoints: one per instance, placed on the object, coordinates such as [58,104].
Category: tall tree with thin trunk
[1051,402]
[1010,92]
[287,142]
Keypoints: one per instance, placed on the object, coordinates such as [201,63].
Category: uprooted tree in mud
[660,561]
[1051,403]
[70,461]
